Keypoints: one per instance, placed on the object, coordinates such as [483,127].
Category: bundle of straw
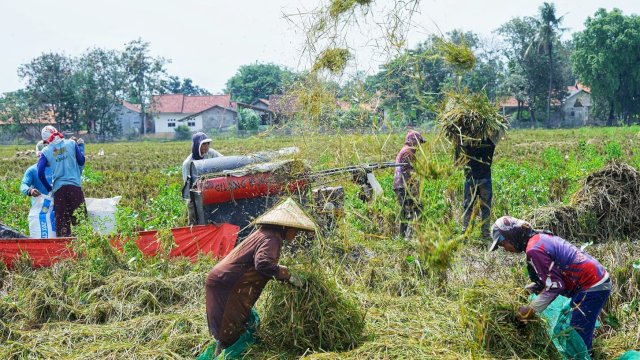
[460,56]
[334,60]
[317,317]
[470,117]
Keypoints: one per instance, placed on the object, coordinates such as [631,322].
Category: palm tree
[548,25]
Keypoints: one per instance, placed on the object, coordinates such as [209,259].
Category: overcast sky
[208,40]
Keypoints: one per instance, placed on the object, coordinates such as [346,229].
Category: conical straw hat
[288,214]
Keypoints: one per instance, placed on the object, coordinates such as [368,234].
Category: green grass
[438,297]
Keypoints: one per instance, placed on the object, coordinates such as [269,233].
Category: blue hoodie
[66,160]
[31,180]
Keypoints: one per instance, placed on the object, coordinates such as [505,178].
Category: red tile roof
[44,118]
[132,107]
[178,103]
[510,102]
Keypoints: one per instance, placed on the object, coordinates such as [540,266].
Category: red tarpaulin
[217,240]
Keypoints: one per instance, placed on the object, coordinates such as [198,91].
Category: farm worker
[236,282]
[65,158]
[200,150]
[403,185]
[559,268]
[31,184]
[477,157]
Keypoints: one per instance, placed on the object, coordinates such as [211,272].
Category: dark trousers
[586,308]
[66,200]
[410,209]
[477,190]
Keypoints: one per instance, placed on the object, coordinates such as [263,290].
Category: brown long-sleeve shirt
[235,283]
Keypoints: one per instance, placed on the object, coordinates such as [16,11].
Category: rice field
[436,296]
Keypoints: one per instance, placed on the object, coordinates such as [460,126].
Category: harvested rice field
[437,295]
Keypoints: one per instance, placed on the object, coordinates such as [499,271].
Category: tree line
[526,59]
[81,92]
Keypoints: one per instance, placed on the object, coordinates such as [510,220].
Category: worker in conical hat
[236,282]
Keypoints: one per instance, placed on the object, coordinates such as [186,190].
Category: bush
[248,119]
[182,132]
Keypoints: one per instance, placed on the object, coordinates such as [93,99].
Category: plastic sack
[375,185]
[558,325]
[235,351]
[42,220]
[102,214]
[630,355]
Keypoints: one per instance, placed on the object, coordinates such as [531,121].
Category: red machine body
[229,188]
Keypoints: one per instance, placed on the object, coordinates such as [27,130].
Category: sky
[208,41]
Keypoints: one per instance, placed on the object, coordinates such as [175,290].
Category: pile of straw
[606,206]
[470,117]
[318,317]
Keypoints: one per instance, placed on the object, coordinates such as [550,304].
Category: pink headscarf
[49,134]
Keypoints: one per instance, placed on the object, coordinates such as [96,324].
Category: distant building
[572,111]
[128,116]
[32,125]
[199,113]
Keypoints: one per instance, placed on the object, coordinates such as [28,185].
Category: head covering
[513,230]
[197,140]
[39,146]
[413,138]
[287,214]
[51,135]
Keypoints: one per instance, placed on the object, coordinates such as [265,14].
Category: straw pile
[470,117]
[318,317]
[606,206]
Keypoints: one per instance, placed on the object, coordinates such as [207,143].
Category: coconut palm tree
[548,31]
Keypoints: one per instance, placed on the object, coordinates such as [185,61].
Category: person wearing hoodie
[31,184]
[66,159]
[403,185]
[556,267]
[200,149]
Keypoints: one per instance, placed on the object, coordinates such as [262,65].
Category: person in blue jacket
[66,159]
[31,184]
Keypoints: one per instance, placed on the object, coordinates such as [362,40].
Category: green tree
[50,81]
[607,58]
[528,75]
[182,132]
[173,85]
[144,76]
[17,108]
[547,35]
[248,119]
[256,81]
[100,83]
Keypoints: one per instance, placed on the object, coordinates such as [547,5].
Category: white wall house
[172,110]
[167,122]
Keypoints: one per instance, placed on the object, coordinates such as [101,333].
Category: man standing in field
[200,149]
[477,156]
[557,268]
[403,185]
[66,159]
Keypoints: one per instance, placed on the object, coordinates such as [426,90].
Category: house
[32,125]
[128,116]
[574,110]
[199,113]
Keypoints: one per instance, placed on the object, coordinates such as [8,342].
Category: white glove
[295,281]
[80,141]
